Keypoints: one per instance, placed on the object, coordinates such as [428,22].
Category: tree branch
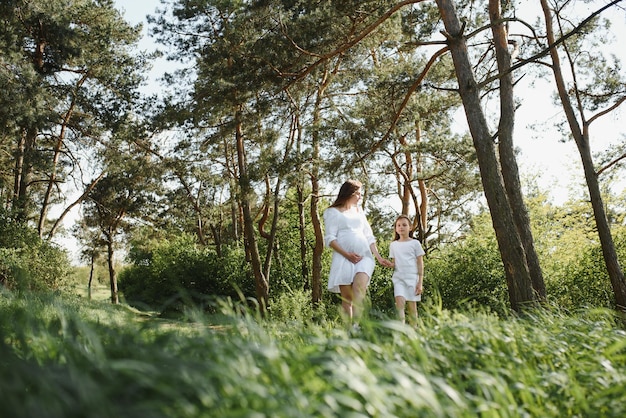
[611,164]
[344,47]
[546,51]
[607,110]
[408,95]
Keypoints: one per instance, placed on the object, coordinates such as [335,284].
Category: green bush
[468,274]
[470,271]
[585,282]
[28,263]
[179,273]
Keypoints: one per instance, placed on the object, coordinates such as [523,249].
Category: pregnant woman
[350,235]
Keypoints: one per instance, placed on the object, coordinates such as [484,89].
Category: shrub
[27,262]
[468,274]
[585,282]
[179,273]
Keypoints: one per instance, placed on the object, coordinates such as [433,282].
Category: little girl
[407,254]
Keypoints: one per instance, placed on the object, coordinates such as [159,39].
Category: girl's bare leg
[400,303]
[413,311]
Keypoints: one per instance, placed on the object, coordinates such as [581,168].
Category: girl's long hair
[347,190]
[395,234]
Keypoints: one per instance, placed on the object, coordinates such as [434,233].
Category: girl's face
[403,227]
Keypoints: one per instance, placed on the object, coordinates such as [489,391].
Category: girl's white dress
[354,234]
[405,274]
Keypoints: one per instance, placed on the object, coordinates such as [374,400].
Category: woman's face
[354,199]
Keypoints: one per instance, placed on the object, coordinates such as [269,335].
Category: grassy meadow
[70,357]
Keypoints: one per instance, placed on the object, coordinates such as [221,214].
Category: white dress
[405,274]
[354,234]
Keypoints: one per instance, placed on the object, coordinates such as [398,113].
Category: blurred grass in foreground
[63,358]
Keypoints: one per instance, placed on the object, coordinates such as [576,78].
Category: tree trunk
[422,209]
[260,281]
[23,172]
[43,212]
[112,274]
[91,269]
[272,240]
[591,177]
[217,238]
[304,265]
[508,161]
[318,248]
[406,177]
[509,242]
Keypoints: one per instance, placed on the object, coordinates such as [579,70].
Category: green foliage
[62,358]
[68,77]
[570,254]
[469,272]
[586,282]
[26,261]
[294,306]
[178,273]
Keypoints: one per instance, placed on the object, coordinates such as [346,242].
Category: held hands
[355,258]
[384,262]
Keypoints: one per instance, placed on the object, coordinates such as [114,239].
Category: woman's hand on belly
[353,257]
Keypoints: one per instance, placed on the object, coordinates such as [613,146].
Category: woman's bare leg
[359,289]
[346,300]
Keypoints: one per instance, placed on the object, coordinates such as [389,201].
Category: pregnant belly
[354,243]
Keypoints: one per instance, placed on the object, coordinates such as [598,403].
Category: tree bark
[91,270]
[509,242]
[508,161]
[45,204]
[304,265]
[260,281]
[422,209]
[581,137]
[112,274]
[318,248]
[406,177]
[272,240]
[23,173]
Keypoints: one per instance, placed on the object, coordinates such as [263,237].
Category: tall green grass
[64,357]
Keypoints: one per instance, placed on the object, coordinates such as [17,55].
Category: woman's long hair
[347,190]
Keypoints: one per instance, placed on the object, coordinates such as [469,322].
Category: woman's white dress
[405,275]
[354,234]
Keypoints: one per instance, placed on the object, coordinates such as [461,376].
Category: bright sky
[541,152]
[541,148]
